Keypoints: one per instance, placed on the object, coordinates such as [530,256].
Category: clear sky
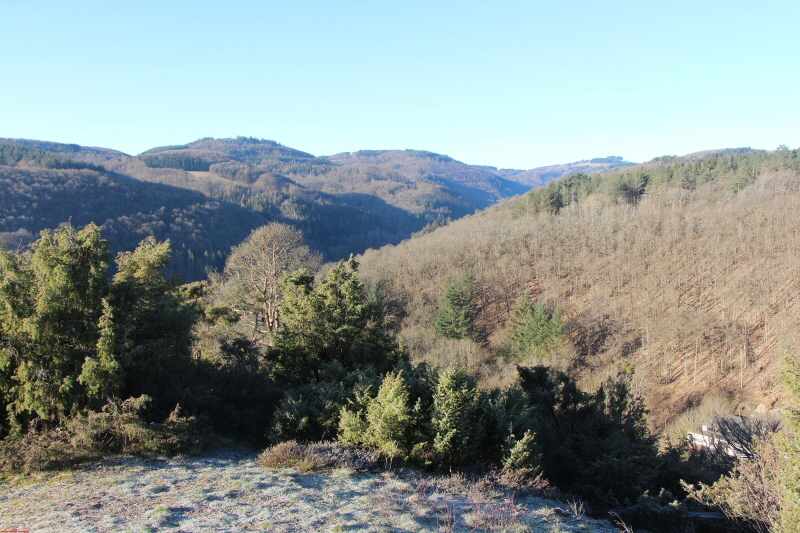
[514,84]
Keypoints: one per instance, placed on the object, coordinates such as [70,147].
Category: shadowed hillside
[201,230]
[426,186]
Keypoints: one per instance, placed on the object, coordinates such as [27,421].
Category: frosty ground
[230,492]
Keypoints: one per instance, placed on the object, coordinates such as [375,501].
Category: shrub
[789,445]
[306,457]
[657,514]
[311,412]
[385,420]
[118,428]
[458,419]
[331,322]
[595,445]
[290,454]
[750,494]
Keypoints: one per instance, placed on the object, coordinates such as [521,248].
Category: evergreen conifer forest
[575,333]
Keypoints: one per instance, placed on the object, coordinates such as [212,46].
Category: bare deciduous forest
[696,287]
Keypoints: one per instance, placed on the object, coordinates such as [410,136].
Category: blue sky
[505,83]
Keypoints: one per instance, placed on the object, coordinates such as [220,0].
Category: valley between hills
[671,287]
[206,196]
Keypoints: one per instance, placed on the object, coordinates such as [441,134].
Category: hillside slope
[404,189]
[686,268]
[200,229]
[344,204]
[539,176]
[49,184]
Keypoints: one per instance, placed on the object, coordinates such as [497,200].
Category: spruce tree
[534,331]
[457,312]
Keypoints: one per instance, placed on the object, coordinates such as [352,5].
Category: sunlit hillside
[686,268]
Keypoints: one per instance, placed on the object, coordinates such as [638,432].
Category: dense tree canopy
[330,322]
[70,340]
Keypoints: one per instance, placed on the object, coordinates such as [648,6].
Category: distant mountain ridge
[344,203]
[540,176]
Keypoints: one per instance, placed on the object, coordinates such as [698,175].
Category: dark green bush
[311,412]
[657,514]
[595,445]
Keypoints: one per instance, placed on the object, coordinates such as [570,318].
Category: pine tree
[457,307]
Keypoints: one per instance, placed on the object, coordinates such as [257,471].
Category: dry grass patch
[316,456]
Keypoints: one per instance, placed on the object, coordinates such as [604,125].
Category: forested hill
[344,203]
[683,270]
[200,229]
[425,187]
[539,176]
[207,196]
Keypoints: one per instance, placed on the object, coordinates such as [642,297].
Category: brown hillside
[698,289]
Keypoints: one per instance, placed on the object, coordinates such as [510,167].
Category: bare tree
[249,284]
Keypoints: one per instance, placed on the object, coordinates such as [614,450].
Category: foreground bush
[70,337]
[314,456]
[441,420]
[118,428]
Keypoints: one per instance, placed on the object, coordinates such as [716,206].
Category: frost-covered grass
[230,492]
